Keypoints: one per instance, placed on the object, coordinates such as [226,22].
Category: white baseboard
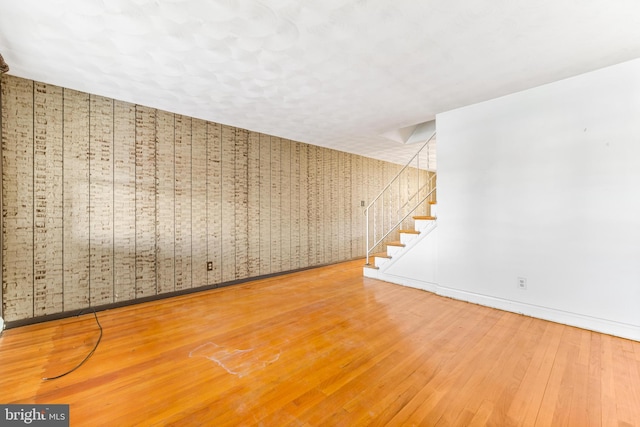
[604,326]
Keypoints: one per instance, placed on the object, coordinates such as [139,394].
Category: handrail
[401,170]
[424,186]
[428,186]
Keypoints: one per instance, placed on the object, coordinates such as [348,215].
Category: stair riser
[393,250]
[422,224]
[406,237]
[379,261]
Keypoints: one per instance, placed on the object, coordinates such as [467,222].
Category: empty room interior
[332,213]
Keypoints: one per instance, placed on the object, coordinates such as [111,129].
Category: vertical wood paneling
[385,177]
[285,205]
[303,160]
[101,200]
[395,204]
[106,201]
[76,200]
[326,196]
[413,189]
[386,205]
[253,221]
[214,201]
[382,206]
[365,196]
[228,205]
[124,188]
[336,207]
[422,189]
[183,202]
[295,205]
[400,208]
[321,195]
[401,191]
[329,205]
[165,202]
[241,202]
[47,163]
[145,202]
[338,228]
[425,189]
[2,221]
[346,235]
[276,207]
[433,184]
[424,185]
[17,191]
[265,204]
[357,215]
[380,172]
[315,205]
[339,211]
[370,171]
[408,187]
[199,202]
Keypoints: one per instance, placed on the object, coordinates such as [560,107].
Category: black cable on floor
[88,355]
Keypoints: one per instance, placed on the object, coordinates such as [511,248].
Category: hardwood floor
[324,347]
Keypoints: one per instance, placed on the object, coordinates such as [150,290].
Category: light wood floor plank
[323,347]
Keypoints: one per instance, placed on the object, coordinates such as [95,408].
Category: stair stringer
[394,269]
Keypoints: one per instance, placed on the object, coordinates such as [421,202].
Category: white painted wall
[417,266]
[545,184]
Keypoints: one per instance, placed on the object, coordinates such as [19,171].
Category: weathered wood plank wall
[75,234]
[124,213]
[106,201]
[166,203]
[18,201]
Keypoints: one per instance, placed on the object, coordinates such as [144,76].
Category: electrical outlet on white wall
[522,283]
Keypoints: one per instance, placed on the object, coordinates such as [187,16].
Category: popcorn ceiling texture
[106,201]
[333,73]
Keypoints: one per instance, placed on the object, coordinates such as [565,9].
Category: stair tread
[433,202]
[427,217]
[381,255]
[402,245]
[410,231]
[371,266]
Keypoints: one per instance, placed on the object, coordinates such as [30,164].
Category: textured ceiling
[335,73]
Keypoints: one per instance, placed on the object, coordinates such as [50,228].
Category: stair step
[400,244]
[424,217]
[410,231]
[371,266]
[380,255]
[433,202]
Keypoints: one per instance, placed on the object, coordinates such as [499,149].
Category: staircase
[423,224]
[404,209]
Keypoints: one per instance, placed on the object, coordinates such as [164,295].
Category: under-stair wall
[537,208]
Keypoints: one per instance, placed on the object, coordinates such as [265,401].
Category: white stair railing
[408,193]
